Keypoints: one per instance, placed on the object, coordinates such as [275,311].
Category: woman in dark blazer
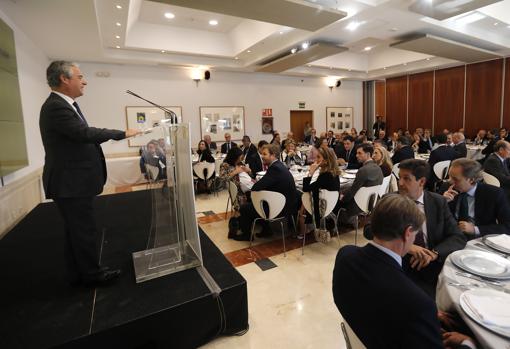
[204,154]
[328,179]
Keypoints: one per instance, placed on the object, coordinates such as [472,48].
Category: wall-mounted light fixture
[331,82]
[196,75]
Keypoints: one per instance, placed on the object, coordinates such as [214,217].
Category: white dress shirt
[389,252]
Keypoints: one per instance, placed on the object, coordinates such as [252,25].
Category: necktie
[228,146]
[463,208]
[80,113]
[419,239]
[348,155]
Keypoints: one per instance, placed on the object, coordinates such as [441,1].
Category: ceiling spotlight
[350,69]
[405,64]
[169,15]
[353,25]
[213,22]
[496,23]
[368,48]
[163,51]
[281,33]
[117,46]
[249,51]
[119,7]
[117,36]
[384,68]
[294,50]
[118,24]
[305,45]
[428,59]
[309,65]
[236,58]
[394,29]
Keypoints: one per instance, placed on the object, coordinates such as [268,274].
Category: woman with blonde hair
[328,172]
[382,158]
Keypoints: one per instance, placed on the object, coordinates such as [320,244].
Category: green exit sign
[302,105]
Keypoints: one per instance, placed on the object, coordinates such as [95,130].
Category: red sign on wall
[267,112]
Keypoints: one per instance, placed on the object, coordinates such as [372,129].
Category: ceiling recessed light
[236,58]
[119,7]
[249,51]
[163,51]
[405,63]
[281,33]
[350,69]
[117,46]
[309,65]
[394,29]
[213,22]
[353,25]
[305,45]
[368,48]
[118,24]
[428,59]
[169,15]
[384,68]
[496,23]
[117,36]
[294,50]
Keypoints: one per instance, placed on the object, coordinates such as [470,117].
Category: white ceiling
[86,30]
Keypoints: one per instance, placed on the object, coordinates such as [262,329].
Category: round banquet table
[474,152]
[124,171]
[448,297]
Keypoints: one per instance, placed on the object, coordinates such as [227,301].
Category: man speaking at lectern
[75,171]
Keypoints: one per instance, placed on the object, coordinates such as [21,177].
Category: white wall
[105,99]
[32,64]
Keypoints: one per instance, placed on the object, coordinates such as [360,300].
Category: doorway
[298,120]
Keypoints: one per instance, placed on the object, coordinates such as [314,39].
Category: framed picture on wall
[216,121]
[339,119]
[143,118]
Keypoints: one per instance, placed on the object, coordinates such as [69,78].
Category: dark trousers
[81,252]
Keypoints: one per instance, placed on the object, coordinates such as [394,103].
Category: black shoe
[242,237]
[104,278]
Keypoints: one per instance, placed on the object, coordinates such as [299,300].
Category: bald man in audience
[290,137]
[212,145]
[496,164]
[479,208]
[225,147]
[459,144]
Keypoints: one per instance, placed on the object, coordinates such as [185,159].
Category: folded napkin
[502,240]
[492,311]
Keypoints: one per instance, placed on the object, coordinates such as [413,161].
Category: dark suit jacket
[352,161]
[404,153]
[461,150]
[492,211]
[256,165]
[326,181]
[249,153]
[331,142]
[213,146]
[493,165]
[441,153]
[279,179]
[224,147]
[309,140]
[368,175]
[423,147]
[74,163]
[381,304]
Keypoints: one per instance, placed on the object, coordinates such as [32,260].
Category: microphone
[173,116]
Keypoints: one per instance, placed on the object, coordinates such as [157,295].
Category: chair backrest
[385,185]
[395,169]
[366,197]
[352,341]
[306,198]
[152,172]
[274,200]
[204,165]
[441,169]
[490,179]
[232,190]
[331,198]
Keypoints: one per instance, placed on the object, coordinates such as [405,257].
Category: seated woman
[276,138]
[328,179]
[290,156]
[204,154]
[233,169]
[382,158]
[419,145]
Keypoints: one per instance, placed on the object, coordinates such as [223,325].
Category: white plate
[349,175]
[344,180]
[351,171]
[496,298]
[494,245]
[261,173]
[481,263]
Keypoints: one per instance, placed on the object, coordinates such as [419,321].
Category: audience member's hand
[245,169]
[131,132]
[447,320]
[421,257]
[313,167]
[450,194]
[341,162]
[467,227]
[453,339]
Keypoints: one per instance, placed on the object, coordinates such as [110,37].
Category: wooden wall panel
[396,103]
[380,98]
[483,95]
[506,105]
[421,100]
[449,99]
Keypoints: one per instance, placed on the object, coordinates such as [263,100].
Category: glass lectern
[173,242]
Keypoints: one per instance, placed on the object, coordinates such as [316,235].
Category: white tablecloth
[474,152]
[447,299]
[124,171]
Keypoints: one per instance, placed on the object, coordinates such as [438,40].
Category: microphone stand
[173,116]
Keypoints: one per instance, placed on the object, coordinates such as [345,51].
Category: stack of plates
[489,308]
[498,242]
[351,171]
[481,263]
[349,175]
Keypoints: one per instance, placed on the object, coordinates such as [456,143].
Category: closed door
[298,120]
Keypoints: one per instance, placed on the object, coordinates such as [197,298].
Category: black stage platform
[39,310]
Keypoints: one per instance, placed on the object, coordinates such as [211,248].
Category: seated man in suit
[255,162]
[152,157]
[481,137]
[383,139]
[278,179]
[346,153]
[331,139]
[312,138]
[428,139]
[379,302]
[368,175]
[497,165]
[212,145]
[459,144]
[479,208]
[442,152]
[290,137]
[403,151]
[249,150]
[225,147]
